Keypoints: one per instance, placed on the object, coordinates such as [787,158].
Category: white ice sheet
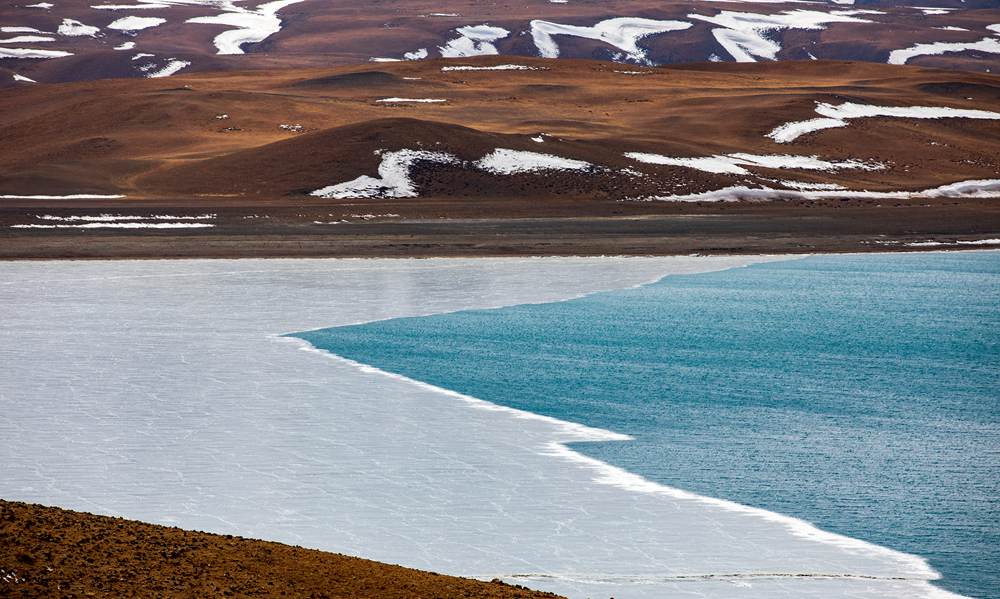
[159,391]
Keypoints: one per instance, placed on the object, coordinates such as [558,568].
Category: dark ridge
[348,80]
[543,88]
[317,159]
[961,89]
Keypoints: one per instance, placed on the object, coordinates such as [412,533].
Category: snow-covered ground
[411,100]
[110,218]
[74,196]
[171,67]
[473,40]
[503,161]
[623,33]
[499,67]
[736,164]
[738,35]
[748,36]
[833,116]
[21,30]
[980,188]
[394,171]
[118,225]
[32,53]
[989,45]
[251,26]
[993,241]
[118,221]
[393,180]
[159,391]
[74,28]
[27,39]
[132,23]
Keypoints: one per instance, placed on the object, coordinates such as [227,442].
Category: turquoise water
[861,393]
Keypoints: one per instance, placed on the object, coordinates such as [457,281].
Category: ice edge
[917,568]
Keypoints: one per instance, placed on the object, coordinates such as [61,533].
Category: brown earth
[51,552]
[159,143]
[568,227]
[341,32]
[162,138]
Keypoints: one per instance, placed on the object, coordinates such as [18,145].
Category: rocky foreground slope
[50,552]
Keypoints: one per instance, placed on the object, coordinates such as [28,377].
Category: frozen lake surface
[858,392]
[162,391]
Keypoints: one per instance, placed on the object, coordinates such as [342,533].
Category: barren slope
[553,156]
[286,133]
[49,552]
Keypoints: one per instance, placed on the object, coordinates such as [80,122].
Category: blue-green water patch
[861,393]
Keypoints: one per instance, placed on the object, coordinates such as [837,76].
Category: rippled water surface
[858,392]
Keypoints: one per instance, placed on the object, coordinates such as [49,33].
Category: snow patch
[804,186]
[983,188]
[499,67]
[510,162]
[745,35]
[27,39]
[734,164]
[940,243]
[394,171]
[75,196]
[411,100]
[838,116]
[73,28]
[144,5]
[708,164]
[474,40]
[110,218]
[172,67]
[393,180]
[623,33]
[136,23]
[252,26]
[989,45]
[32,53]
[932,10]
[117,225]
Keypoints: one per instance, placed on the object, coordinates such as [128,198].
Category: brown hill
[285,133]
[247,148]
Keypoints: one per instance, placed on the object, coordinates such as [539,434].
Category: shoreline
[559,433]
[945,248]
[609,474]
[420,229]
